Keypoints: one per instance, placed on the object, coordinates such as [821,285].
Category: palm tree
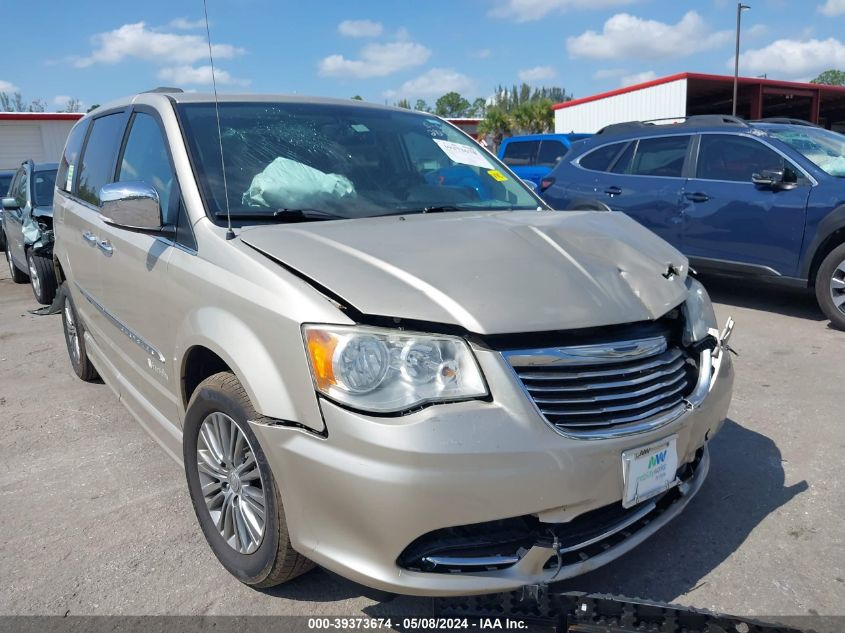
[496,123]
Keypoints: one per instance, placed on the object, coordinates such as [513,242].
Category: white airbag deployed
[289,184]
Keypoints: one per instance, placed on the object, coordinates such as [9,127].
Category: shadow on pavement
[744,293]
[745,484]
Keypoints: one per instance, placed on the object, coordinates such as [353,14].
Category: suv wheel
[42,277]
[830,287]
[75,339]
[18,276]
[235,497]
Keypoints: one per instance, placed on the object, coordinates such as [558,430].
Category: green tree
[478,107]
[357,98]
[452,105]
[93,107]
[421,106]
[496,123]
[831,78]
[403,103]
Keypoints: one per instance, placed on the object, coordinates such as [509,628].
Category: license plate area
[649,470]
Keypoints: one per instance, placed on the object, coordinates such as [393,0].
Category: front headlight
[699,317]
[384,371]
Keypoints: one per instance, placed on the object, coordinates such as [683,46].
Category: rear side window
[97,165]
[663,156]
[600,159]
[70,158]
[735,158]
[622,164]
[145,159]
[550,153]
[520,153]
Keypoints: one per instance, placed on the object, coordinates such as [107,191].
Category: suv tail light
[545,183]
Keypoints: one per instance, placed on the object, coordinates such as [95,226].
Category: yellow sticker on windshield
[496,175]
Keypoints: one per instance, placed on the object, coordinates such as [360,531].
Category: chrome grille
[593,387]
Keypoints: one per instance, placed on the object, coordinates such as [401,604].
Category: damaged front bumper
[480,497]
[37,231]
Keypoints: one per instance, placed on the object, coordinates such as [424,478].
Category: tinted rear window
[97,164]
[550,153]
[520,153]
[600,159]
[662,156]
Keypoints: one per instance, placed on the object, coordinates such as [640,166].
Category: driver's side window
[145,158]
[735,158]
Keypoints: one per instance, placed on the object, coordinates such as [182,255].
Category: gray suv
[372,347]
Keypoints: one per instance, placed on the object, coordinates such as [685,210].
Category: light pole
[739,9]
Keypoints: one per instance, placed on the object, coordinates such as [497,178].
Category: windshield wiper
[285,215]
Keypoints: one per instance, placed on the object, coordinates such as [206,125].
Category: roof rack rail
[787,121]
[696,119]
[163,89]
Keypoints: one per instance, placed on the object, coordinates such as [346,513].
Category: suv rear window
[97,164]
[599,159]
[520,153]
[550,153]
[662,156]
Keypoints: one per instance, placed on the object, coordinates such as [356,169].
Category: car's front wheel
[42,277]
[18,276]
[830,287]
[234,493]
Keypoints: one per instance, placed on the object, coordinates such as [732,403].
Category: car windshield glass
[349,161]
[823,147]
[42,185]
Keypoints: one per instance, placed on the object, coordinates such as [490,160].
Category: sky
[386,50]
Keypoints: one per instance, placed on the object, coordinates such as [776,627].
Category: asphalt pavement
[96,519]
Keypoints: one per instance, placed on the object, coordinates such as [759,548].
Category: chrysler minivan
[373,348]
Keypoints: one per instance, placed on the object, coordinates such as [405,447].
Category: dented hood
[489,272]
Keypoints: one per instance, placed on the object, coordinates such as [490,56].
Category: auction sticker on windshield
[649,470]
[463,154]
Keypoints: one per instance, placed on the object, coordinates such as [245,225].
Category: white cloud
[626,36]
[529,10]
[184,24]
[637,78]
[482,53]
[61,100]
[376,60]
[8,86]
[756,30]
[793,58]
[139,42]
[200,75]
[538,73]
[360,28]
[833,7]
[435,82]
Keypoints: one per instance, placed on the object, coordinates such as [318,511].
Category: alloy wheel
[231,483]
[72,332]
[33,276]
[837,286]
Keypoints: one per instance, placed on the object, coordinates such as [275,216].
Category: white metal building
[687,94]
[37,135]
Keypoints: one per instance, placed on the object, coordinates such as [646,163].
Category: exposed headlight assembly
[699,317]
[385,371]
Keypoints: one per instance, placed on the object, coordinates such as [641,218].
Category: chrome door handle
[90,237]
[106,247]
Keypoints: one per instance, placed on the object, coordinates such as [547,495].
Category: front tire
[830,287]
[233,491]
[41,277]
[18,276]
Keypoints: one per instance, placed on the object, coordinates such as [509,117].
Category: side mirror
[10,203]
[134,206]
[772,179]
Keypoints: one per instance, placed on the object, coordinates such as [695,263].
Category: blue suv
[762,199]
[532,156]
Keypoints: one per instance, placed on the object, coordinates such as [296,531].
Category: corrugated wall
[667,100]
[42,141]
